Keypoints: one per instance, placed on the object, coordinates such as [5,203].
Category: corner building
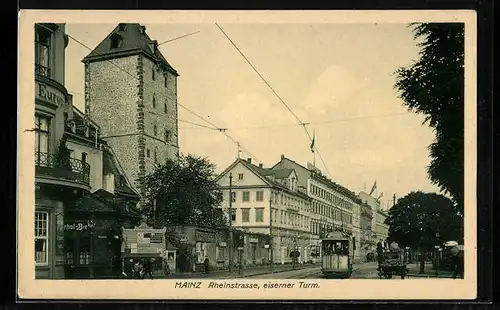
[131,93]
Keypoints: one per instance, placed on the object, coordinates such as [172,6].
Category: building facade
[332,204]
[269,202]
[131,93]
[380,230]
[58,180]
[367,245]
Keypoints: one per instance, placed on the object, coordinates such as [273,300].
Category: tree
[184,192]
[416,218]
[434,86]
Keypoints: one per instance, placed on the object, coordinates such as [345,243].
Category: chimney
[282,157]
[249,160]
[260,165]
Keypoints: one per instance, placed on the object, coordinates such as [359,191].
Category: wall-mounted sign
[204,236]
[50,94]
[222,244]
[253,240]
[79,226]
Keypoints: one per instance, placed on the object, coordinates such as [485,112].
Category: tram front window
[336,247]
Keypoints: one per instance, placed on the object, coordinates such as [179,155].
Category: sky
[339,78]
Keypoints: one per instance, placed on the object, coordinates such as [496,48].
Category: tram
[336,249]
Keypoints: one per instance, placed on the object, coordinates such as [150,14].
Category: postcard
[264,155]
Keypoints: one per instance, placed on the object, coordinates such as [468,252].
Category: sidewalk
[226,274]
[429,271]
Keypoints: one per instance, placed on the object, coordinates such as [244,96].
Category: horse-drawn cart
[393,264]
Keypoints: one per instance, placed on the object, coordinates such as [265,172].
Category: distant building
[332,204]
[131,94]
[367,244]
[266,199]
[380,230]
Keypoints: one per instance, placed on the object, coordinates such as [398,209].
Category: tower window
[116,40]
[148,154]
[155,158]
[155,130]
[166,80]
[153,74]
[165,107]
[154,102]
[167,136]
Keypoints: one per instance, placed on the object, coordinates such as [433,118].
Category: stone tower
[131,93]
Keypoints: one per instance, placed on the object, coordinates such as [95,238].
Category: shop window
[245,215]
[84,251]
[246,196]
[42,139]
[41,237]
[259,214]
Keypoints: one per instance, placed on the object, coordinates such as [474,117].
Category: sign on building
[144,240]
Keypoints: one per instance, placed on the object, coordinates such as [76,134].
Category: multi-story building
[131,94]
[332,204]
[379,228]
[73,170]
[58,180]
[271,202]
[356,231]
[366,243]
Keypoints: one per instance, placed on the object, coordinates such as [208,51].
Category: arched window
[153,73]
[165,107]
[155,130]
[155,156]
[167,136]
[154,102]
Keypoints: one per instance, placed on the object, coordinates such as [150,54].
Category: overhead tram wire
[222,130]
[277,95]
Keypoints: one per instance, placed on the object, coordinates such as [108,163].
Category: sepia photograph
[265,155]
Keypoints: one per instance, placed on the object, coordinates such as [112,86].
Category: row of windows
[331,212]
[323,194]
[289,201]
[259,196]
[290,218]
[245,215]
[166,77]
[165,105]
[166,135]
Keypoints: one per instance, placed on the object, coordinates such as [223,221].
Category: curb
[276,271]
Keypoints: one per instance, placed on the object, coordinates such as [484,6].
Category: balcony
[73,170]
[42,70]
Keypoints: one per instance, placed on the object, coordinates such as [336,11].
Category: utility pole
[271,243]
[231,244]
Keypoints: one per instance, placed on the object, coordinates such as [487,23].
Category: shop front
[92,239]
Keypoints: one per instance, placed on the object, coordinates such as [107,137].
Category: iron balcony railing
[71,169]
[42,70]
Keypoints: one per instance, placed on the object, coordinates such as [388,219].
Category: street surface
[361,271]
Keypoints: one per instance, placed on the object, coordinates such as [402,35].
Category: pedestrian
[380,254]
[128,269]
[148,268]
[139,270]
[458,265]
[206,264]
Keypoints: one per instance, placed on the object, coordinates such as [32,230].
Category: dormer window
[116,40]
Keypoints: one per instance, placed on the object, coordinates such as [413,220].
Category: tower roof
[125,40]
